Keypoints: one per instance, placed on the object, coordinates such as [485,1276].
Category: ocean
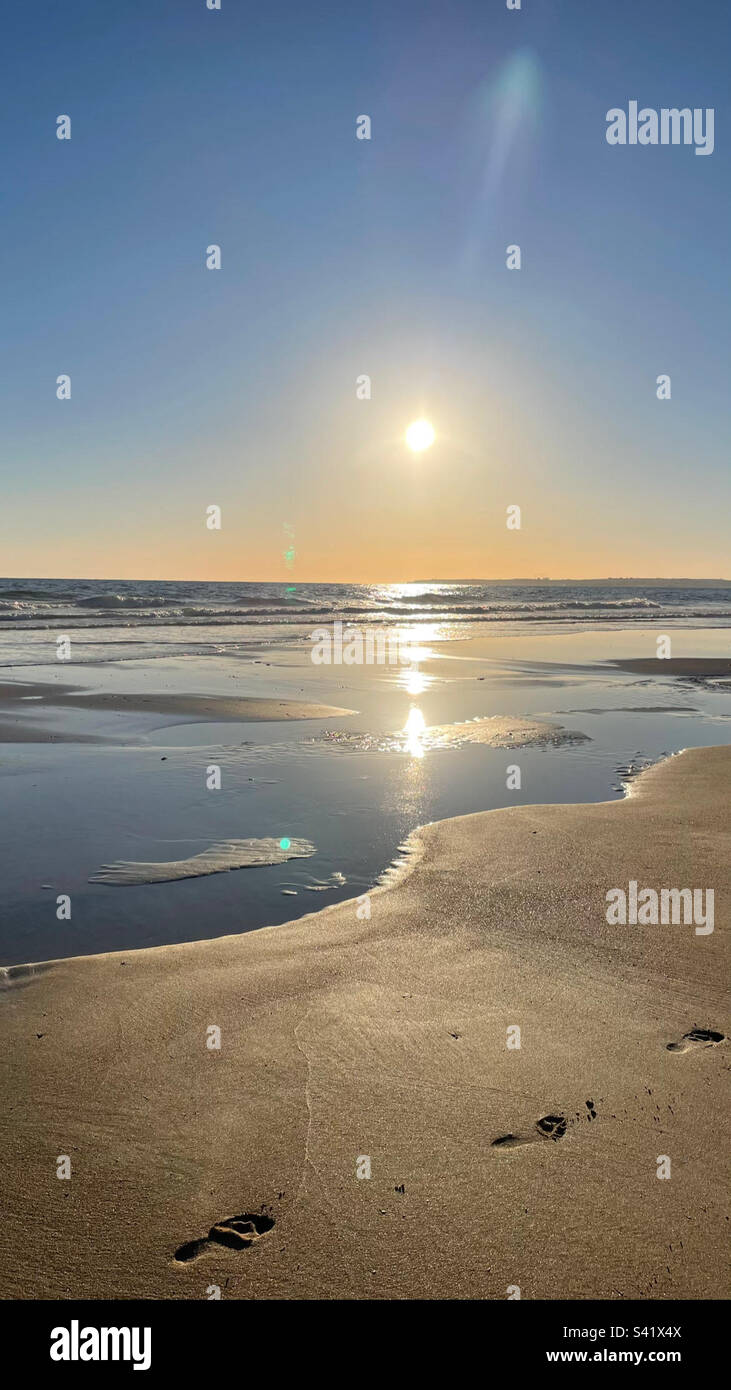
[121,618]
[83,788]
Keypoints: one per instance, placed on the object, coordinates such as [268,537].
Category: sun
[420,435]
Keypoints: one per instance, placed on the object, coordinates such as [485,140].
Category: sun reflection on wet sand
[414,681]
[415,728]
[492,731]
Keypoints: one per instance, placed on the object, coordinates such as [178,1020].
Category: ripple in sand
[229,854]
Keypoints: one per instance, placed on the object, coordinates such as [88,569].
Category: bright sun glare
[419,435]
[414,727]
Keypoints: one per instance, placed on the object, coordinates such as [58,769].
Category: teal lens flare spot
[285,843]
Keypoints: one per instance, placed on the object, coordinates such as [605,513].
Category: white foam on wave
[123,601]
[229,854]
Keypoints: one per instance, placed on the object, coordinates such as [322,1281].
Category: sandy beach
[689,667]
[15,698]
[365,678]
[344,1038]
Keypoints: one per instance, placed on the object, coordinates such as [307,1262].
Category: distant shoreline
[287,581]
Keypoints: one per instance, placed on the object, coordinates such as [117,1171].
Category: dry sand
[343,1038]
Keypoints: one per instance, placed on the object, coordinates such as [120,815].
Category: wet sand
[23,732]
[343,1039]
[493,731]
[21,698]
[691,666]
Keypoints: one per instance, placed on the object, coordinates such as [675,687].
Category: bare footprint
[236,1233]
[550,1127]
[697,1037]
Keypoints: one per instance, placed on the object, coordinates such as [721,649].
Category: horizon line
[290,582]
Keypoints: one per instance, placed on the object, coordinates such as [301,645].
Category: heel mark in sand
[549,1127]
[697,1037]
[235,1233]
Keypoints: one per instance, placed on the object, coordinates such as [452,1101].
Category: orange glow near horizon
[370,525]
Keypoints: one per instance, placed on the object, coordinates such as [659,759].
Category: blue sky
[340,257]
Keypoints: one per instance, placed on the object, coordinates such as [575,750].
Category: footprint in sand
[550,1127]
[697,1037]
[236,1233]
